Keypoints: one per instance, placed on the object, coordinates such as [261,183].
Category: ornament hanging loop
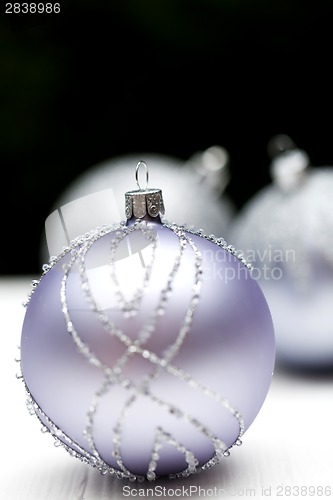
[139,165]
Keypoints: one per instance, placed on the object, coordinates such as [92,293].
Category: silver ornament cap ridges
[139,203]
[142,202]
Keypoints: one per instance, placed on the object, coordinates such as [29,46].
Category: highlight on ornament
[134,358]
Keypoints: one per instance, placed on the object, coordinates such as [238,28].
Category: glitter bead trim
[115,375]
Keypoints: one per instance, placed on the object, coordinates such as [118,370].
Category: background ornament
[286,231]
[195,190]
[147,349]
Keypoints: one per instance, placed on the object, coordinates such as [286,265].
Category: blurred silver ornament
[286,231]
[195,190]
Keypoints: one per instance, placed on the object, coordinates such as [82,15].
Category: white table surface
[287,451]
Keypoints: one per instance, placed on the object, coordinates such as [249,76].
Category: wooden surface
[286,453]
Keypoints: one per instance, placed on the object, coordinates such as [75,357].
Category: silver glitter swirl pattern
[114,375]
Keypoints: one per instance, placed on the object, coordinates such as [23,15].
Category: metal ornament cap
[142,202]
[139,203]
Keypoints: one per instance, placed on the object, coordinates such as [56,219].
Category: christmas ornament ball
[147,349]
[286,231]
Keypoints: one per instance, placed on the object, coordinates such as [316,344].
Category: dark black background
[105,78]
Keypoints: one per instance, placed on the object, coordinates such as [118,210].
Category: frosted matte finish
[152,417]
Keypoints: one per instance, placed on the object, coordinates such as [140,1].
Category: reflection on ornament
[286,231]
[147,349]
[194,188]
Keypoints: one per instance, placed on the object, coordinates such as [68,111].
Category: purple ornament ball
[147,349]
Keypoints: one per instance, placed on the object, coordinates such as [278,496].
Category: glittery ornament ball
[286,231]
[147,349]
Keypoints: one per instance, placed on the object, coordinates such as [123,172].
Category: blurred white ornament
[194,188]
[286,230]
